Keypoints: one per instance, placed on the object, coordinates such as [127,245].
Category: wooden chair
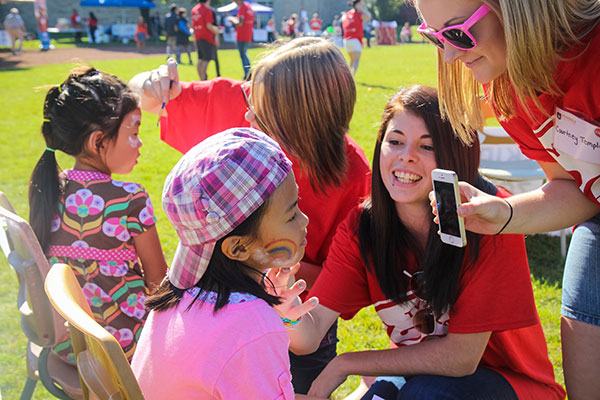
[43,327]
[103,368]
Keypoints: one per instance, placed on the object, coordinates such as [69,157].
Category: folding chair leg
[47,381]
[27,392]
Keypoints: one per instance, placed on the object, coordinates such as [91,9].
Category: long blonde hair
[304,93]
[537,32]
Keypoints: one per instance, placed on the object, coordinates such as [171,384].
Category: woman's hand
[284,286]
[158,86]
[483,213]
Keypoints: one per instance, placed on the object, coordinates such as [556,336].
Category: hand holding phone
[447,198]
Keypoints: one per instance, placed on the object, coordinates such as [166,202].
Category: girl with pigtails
[103,228]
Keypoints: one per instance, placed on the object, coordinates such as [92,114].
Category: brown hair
[304,93]
[88,100]
[384,242]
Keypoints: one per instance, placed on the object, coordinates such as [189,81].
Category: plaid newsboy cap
[213,188]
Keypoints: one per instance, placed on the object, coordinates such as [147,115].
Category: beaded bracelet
[290,322]
[509,217]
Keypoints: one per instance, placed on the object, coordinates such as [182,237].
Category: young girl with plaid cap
[103,228]
[212,332]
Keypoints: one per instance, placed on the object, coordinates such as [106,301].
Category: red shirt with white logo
[353,25]
[494,295]
[535,135]
[201,16]
[244,31]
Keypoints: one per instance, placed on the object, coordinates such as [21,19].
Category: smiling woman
[476,302]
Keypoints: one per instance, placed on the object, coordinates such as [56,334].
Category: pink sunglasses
[457,35]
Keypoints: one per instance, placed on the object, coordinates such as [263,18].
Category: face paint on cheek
[281,249]
[134,141]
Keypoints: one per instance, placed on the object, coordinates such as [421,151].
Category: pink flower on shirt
[113,268]
[134,305]
[116,227]
[147,214]
[128,187]
[95,296]
[84,203]
[124,336]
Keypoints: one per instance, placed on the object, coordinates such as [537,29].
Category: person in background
[183,35]
[352,24]
[76,24]
[92,26]
[367,33]
[156,26]
[104,229]
[271,31]
[316,25]
[171,20]
[540,79]
[292,26]
[13,23]
[141,34]
[406,33]
[206,34]
[244,25]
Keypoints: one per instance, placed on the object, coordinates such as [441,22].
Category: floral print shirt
[93,232]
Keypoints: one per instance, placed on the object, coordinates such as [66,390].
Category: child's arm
[306,335]
[149,250]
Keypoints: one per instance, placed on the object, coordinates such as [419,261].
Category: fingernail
[314,302]
[302,285]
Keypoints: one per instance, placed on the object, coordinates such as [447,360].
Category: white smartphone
[447,198]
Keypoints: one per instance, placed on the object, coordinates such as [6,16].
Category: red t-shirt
[201,16]
[244,31]
[353,25]
[494,295]
[207,107]
[575,77]
[315,24]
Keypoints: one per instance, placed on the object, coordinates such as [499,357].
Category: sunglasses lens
[424,321]
[459,38]
[433,39]
[417,285]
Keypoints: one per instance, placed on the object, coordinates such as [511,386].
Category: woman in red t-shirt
[462,319]
[538,64]
[352,24]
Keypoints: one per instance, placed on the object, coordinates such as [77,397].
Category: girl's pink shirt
[241,352]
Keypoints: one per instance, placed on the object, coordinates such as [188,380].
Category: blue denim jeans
[484,384]
[581,279]
[243,48]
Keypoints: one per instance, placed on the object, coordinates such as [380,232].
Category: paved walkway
[31,58]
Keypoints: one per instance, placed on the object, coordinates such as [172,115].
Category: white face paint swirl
[134,141]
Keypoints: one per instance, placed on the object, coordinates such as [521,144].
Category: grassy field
[381,72]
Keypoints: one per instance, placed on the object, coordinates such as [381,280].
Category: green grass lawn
[382,71]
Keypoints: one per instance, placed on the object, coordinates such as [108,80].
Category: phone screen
[446,207]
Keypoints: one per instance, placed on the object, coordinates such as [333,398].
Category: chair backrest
[40,323]
[103,367]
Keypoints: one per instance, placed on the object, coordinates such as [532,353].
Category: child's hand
[291,306]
